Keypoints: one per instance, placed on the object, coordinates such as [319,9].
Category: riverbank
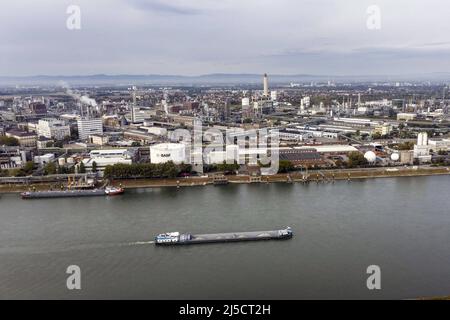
[316,176]
[296,177]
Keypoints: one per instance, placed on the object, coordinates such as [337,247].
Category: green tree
[50,168]
[8,141]
[62,170]
[356,159]
[143,170]
[376,136]
[28,168]
[58,144]
[227,167]
[82,168]
[285,166]
[408,145]
[94,166]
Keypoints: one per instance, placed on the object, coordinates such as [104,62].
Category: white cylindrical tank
[61,161]
[370,156]
[166,152]
[395,157]
[424,138]
[419,139]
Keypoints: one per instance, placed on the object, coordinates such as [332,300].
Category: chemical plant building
[421,149]
[53,129]
[406,116]
[88,127]
[424,146]
[165,152]
[307,157]
[301,133]
[44,159]
[103,158]
[25,139]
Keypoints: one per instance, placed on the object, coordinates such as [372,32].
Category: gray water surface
[399,224]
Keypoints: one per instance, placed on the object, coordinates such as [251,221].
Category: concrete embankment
[309,176]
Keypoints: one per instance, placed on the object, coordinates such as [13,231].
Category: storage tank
[61,161]
[166,152]
[395,157]
[370,156]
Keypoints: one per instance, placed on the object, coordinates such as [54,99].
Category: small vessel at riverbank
[175,238]
[108,191]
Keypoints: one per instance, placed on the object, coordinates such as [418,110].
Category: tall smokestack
[266,85]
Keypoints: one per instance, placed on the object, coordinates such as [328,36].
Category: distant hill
[215,78]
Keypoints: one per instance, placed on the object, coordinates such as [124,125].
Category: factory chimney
[266,85]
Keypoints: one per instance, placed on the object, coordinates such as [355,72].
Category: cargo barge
[108,191]
[175,238]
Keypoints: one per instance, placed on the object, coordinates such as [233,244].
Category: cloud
[191,37]
[163,7]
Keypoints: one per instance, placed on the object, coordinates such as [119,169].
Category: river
[401,225]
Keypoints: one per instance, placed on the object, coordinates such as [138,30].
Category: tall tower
[266,85]
[133,106]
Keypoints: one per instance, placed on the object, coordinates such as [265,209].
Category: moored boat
[108,191]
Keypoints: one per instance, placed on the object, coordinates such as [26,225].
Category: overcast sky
[192,37]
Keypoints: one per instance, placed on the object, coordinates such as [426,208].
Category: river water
[401,225]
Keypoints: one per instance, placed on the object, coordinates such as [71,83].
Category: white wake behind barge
[175,238]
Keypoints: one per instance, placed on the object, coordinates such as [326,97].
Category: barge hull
[230,237]
[63,194]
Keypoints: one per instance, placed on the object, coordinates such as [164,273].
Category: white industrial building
[44,159]
[300,133]
[439,145]
[245,103]
[165,152]
[137,115]
[88,127]
[53,129]
[334,148]
[106,157]
[305,103]
[406,116]
[157,131]
[274,95]
[422,149]
[110,153]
